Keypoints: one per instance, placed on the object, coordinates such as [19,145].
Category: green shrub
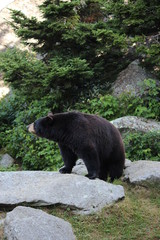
[9,109]
[104,106]
[9,106]
[135,17]
[15,167]
[24,72]
[142,146]
[33,153]
[150,100]
[150,53]
[147,105]
[110,107]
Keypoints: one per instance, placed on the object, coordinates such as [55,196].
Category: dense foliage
[111,107]
[78,49]
[140,21]
[135,17]
[142,146]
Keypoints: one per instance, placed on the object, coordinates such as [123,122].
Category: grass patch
[2,216]
[14,167]
[137,217]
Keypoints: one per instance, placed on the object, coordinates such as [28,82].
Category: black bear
[85,136]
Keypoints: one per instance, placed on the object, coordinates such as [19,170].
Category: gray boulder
[81,194]
[25,223]
[2,222]
[136,123]
[81,169]
[127,163]
[6,161]
[129,79]
[143,172]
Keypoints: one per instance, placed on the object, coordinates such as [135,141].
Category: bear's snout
[31,128]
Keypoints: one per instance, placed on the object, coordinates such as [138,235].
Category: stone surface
[136,123]
[6,161]
[127,163]
[4,4]
[143,172]
[80,168]
[129,79]
[81,194]
[25,223]
[2,222]
[7,36]
[4,89]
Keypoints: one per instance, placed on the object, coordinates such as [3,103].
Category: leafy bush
[144,146]
[135,17]
[33,153]
[150,52]
[106,106]
[15,167]
[9,108]
[140,21]
[24,72]
[110,107]
[147,105]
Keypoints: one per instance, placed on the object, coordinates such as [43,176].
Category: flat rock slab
[136,123]
[143,172]
[81,194]
[25,223]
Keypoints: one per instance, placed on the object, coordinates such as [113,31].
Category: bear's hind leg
[116,164]
[103,175]
[91,160]
[69,159]
[115,171]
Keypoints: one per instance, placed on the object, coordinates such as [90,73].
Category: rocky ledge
[82,195]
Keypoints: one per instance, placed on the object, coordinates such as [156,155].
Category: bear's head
[43,126]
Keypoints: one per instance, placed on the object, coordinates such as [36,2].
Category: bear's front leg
[69,159]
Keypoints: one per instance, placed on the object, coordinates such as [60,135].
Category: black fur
[85,136]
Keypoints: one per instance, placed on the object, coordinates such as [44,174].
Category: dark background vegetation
[78,48]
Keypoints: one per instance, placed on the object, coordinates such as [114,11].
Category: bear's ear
[50,115]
